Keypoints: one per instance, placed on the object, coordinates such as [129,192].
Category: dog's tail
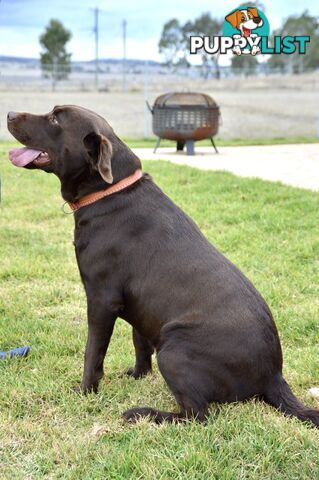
[280,396]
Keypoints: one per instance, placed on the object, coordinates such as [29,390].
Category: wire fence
[129,76]
[254,104]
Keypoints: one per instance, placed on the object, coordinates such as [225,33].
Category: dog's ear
[99,149]
[233,19]
[253,11]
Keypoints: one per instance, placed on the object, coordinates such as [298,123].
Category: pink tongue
[22,156]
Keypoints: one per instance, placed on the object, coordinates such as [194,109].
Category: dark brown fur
[144,260]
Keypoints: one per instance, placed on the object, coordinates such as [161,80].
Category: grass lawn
[270,231]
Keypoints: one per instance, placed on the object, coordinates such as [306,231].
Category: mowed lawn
[46,431]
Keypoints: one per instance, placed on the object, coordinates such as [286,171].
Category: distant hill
[129,61]
[6,58]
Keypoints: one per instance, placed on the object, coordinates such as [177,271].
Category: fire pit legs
[180,144]
[213,143]
[157,144]
[190,150]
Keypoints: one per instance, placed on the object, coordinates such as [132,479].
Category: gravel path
[296,165]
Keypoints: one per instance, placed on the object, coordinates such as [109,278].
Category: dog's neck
[114,188]
[124,163]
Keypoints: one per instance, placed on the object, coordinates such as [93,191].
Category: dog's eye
[54,120]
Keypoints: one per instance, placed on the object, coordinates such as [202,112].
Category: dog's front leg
[100,327]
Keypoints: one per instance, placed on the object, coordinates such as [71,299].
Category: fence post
[146,112]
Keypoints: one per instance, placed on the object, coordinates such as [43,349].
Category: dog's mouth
[246,32]
[21,157]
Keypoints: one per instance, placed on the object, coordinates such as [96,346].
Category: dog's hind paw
[132,372]
[135,414]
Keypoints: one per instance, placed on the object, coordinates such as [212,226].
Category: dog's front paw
[85,389]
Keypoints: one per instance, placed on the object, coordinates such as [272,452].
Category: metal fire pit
[185,117]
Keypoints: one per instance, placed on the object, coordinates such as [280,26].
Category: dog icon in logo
[245,21]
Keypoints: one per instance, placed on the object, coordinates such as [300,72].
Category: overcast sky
[22,21]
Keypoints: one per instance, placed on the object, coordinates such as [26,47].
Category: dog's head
[245,20]
[76,144]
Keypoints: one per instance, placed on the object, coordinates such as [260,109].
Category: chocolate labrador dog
[143,259]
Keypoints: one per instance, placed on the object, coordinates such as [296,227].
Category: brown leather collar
[117,187]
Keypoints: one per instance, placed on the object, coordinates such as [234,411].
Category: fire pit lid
[184,99]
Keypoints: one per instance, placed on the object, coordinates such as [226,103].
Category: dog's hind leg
[143,353]
[187,385]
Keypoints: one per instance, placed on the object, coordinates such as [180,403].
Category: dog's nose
[257,20]
[12,116]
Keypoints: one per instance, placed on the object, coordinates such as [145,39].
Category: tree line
[174,45]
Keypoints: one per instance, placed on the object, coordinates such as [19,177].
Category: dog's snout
[257,20]
[12,116]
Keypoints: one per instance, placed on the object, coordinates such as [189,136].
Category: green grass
[150,142]
[270,231]
[222,142]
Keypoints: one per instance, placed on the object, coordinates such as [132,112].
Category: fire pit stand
[185,118]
